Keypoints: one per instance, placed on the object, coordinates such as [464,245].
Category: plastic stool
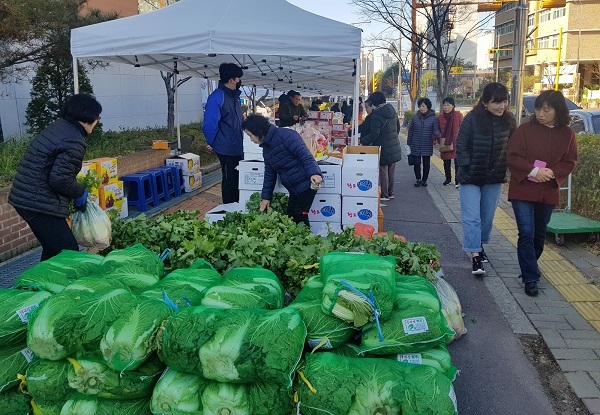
[159,185]
[178,173]
[173,185]
[139,190]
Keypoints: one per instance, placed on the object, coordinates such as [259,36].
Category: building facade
[562,43]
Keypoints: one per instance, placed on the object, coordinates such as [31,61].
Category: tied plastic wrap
[92,228]
[313,138]
[451,308]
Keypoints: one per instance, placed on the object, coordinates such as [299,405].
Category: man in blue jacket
[222,128]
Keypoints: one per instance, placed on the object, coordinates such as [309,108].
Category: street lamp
[577,75]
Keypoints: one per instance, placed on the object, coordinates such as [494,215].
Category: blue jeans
[477,208]
[532,219]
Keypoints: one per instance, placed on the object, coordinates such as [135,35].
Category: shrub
[408,115]
[586,178]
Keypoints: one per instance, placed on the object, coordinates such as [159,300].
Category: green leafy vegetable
[13,361]
[14,402]
[47,380]
[177,393]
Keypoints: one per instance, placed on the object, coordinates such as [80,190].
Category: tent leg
[177,115]
[75,76]
[355,120]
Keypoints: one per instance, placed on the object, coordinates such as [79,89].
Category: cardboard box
[326,208]
[332,178]
[245,197]
[192,181]
[218,212]
[110,195]
[189,162]
[160,145]
[360,182]
[87,166]
[313,115]
[252,176]
[107,169]
[360,210]
[323,228]
[362,156]
[326,115]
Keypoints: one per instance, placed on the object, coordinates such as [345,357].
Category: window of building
[507,6]
[544,42]
[554,41]
[506,28]
[530,20]
[545,16]
[558,13]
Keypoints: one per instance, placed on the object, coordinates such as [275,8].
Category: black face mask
[238,84]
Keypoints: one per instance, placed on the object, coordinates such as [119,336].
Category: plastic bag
[451,307]
[92,228]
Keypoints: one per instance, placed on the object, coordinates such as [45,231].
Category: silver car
[529,107]
[585,121]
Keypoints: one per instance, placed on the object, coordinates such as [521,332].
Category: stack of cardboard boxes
[190,167]
[109,195]
[360,186]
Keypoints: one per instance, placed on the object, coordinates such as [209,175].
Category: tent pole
[75,76]
[354,141]
[177,114]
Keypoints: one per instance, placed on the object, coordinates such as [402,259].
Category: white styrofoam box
[326,208]
[357,181]
[332,179]
[218,212]
[250,155]
[360,209]
[322,228]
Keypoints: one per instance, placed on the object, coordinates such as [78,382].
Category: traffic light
[551,4]
[374,84]
[493,6]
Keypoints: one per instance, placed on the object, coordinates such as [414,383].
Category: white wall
[130,97]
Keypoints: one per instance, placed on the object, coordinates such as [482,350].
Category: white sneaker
[384,199]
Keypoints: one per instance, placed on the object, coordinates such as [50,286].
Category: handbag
[446,148]
[414,160]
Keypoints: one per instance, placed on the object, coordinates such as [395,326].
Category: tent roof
[279,45]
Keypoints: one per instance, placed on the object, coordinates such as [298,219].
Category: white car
[262,109]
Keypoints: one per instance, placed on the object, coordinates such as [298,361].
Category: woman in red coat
[450,121]
[541,155]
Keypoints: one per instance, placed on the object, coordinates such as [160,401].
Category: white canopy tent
[278,45]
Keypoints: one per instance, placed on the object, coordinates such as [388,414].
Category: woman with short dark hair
[423,129]
[450,121]
[46,178]
[541,155]
[286,155]
[380,128]
[481,148]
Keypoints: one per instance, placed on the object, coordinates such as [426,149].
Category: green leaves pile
[271,240]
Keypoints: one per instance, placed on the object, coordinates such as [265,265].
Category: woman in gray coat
[423,129]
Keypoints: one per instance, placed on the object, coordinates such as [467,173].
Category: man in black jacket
[46,178]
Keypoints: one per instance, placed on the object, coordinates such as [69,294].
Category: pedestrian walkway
[567,311]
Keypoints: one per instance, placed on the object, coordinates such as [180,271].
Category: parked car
[529,107]
[263,110]
[585,120]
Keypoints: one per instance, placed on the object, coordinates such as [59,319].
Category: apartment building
[561,41]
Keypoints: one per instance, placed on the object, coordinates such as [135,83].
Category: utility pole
[518,62]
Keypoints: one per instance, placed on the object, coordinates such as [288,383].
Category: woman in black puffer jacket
[46,178]
[381,129]
[481,149]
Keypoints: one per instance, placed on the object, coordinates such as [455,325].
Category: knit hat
[229,71]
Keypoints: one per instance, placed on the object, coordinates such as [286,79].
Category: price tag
[415,325]
[414,358]
[23,313]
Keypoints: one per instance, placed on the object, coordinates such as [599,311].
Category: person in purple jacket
[222,128]
[286,155]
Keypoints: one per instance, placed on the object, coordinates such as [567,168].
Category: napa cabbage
[14,402]
[246,288]
[322,329]
[54,274]
[225,398]
[90,405]
[237,345]
[95,378]
[13,361]
[15,308]
[177,393]
[95,284]
[129,340]
[47,380]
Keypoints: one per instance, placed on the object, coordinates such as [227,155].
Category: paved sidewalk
[567,311]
